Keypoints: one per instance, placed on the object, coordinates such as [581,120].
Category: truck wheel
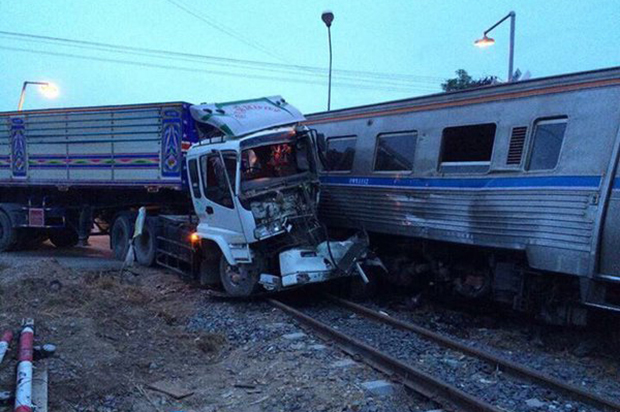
[32,241]
[119,237]
[146,244]
[8,234]
[238,280]
[63,238]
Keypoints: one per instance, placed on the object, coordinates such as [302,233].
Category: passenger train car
[509,192]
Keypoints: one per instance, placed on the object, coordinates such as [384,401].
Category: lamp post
[47,89]
[486,41]
[328,18]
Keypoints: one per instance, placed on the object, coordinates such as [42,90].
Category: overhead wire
[237,66]
[351,75]
[198,70]
[230,32]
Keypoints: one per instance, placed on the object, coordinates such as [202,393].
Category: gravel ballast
[469,374]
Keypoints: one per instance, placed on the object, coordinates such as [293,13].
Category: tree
[464,81]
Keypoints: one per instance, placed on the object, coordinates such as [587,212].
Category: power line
[197,70]
[370,82]
[253,44]
[403,79]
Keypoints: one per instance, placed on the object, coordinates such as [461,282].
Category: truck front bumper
[301,266]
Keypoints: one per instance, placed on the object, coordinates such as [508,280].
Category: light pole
[47,89]
[328,18]
[486,41]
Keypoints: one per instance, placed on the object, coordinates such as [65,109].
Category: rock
[584,348]
[294,336]
[453,363]
[378,388]
[534,403]
[344,363]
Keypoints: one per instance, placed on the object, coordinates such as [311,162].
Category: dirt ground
[118,335]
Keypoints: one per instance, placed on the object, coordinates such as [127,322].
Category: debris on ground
[150,342]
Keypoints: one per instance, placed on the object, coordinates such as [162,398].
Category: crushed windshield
[263,163]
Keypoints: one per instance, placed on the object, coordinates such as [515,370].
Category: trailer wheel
[9,236]
[31,240]
[146,244]
[120,236]
[240,280]
[63,238]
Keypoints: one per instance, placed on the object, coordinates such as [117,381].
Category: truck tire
[238,281]
[31,241]
[120,236]
[64,238]
[146,244]
[9,236]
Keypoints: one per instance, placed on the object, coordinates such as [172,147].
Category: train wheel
[63,238]
[239,280]
[120,236]
[8,234]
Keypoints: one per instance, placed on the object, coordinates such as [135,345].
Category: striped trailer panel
[133,145]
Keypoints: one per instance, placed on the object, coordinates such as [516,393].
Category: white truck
[231,189]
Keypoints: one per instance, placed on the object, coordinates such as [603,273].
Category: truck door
[216,208]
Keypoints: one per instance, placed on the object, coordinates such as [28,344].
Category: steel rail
[503,364]
[448,396]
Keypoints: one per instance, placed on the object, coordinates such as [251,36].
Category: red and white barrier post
[5,341]
[23,391]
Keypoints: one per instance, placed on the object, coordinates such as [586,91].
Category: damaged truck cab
[255,190]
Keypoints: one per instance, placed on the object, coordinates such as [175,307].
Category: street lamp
[46,89]
[328,18]
[486,41]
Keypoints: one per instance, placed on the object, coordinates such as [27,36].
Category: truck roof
[241,118]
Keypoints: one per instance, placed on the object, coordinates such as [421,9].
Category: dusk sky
[383,50]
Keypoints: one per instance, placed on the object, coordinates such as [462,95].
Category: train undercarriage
[476,275]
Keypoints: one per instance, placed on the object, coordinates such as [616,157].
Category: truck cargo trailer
[62,169]
[230,189]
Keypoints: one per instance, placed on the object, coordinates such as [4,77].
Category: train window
[395,151]
[340,153]
[467,149]
[546,143]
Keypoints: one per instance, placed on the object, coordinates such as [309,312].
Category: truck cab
[254,188]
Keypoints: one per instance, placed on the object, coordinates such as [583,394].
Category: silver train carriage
[510,192]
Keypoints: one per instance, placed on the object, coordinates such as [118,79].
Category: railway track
[450,395]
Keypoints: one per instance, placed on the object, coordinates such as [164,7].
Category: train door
[609,242]
[609,262]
